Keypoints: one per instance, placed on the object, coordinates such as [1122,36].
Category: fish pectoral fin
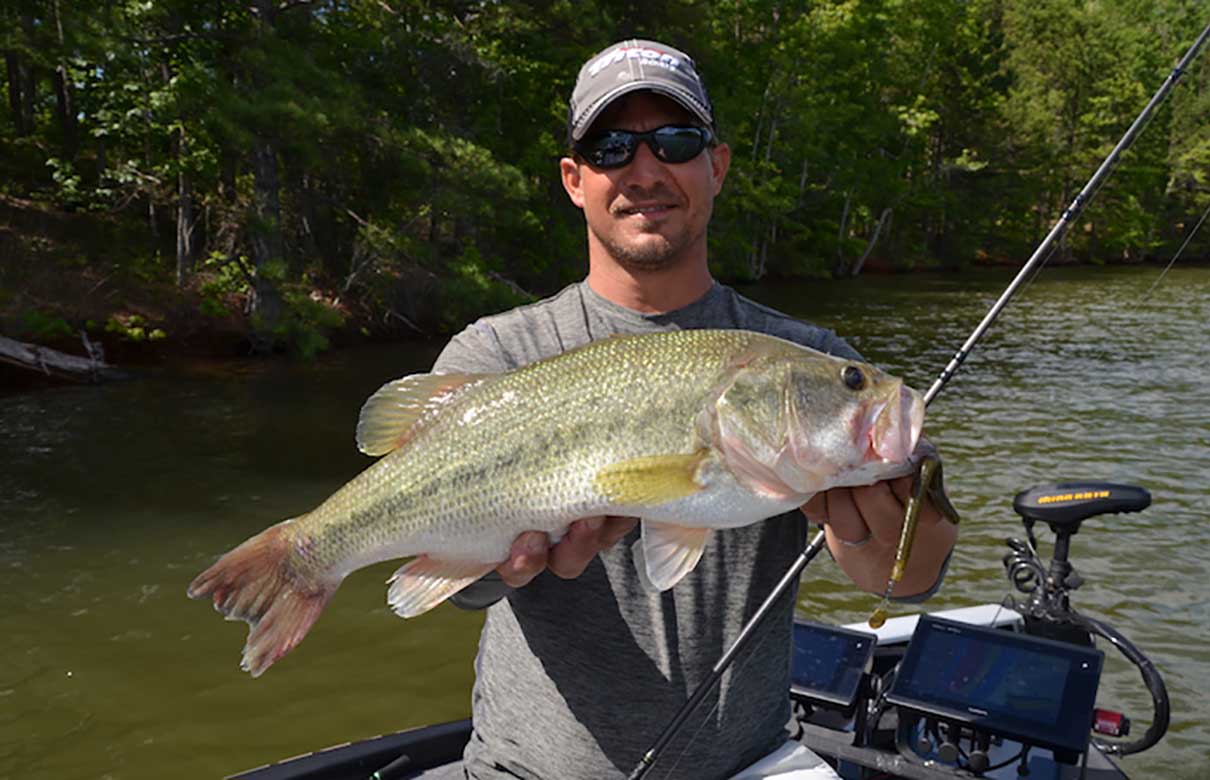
[388,416]
[652,479]
[670,552]
[425,582]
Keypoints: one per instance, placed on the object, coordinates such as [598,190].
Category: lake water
[112,498]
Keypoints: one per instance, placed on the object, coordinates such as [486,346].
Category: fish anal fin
[652,479]
[425,582]
[389,415]
[671,551]
[255,583]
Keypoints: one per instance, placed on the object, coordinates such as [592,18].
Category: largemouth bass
[689,430]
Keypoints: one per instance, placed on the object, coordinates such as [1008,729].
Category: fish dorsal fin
[651,479]
[670,552]
[388,416]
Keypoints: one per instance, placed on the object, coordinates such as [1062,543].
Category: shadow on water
[112,498]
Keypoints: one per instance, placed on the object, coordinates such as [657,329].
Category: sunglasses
[670,144]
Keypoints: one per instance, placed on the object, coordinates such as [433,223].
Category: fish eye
[853,377]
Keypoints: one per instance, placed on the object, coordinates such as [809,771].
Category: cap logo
[648,57]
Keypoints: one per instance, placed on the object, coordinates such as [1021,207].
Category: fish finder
[1037,691]
[829,663]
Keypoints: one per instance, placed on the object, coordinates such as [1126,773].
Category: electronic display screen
[1036,690]
[828,662]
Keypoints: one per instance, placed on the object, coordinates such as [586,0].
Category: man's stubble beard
[650,256]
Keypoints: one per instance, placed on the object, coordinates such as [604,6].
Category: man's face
[647,215]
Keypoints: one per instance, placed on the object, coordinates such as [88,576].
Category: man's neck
[652,292]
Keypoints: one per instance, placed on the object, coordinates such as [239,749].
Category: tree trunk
[883,221]
[839,269]
[27,77]
[802,184]
[16,102]
[64,100]
[54,363]
[185,221]
[266,236]
[184,212]
[266,240]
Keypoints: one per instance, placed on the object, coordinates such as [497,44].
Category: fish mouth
[895,426]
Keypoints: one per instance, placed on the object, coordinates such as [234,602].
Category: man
[580,666]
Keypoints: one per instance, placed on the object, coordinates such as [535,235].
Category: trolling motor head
[1063,506]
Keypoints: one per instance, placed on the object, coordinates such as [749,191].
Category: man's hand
[863,526]
[532,552]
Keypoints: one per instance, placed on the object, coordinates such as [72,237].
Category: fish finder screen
[829,662]
[994,677]
[1033,689]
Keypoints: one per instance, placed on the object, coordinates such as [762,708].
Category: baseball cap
[630,66]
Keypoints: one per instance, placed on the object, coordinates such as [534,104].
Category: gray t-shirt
[576,678]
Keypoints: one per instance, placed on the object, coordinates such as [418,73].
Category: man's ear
[569,172]
[720,163]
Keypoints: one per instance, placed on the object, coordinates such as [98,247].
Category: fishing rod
[816,544]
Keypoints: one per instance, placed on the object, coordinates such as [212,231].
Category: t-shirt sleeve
[817,338]
[476,350]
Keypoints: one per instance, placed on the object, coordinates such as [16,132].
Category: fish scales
[582,411]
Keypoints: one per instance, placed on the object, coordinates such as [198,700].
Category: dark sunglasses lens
[616,148]
[610,150]
[679,144]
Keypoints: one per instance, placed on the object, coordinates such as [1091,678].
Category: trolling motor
[1048,611]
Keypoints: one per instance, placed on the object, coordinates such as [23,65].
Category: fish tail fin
[256,582]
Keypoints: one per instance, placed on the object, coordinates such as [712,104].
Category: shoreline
[228,341]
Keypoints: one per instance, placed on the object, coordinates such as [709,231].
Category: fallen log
[52,362]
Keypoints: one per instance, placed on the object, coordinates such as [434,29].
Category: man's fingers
[584,540]
[880,510]
[816,509]
[844,518]
[531,552]
[526,559]
[615,529]
[571,555]
[902,488]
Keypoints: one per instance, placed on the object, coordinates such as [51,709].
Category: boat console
[997,691]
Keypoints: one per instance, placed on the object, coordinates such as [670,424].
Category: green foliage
[306,325]
[470,291]
[38,325]
[133,327]
[224,279]
[401,157]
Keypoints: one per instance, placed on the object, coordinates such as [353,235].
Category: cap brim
[681,96]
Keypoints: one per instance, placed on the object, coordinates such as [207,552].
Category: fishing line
[1172,262]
